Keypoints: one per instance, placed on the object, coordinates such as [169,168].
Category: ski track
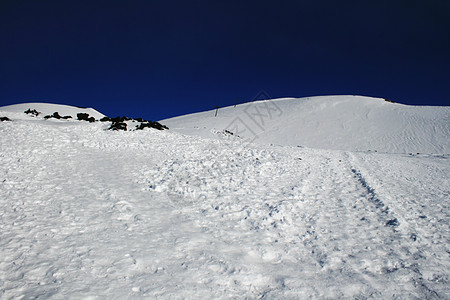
[86,212]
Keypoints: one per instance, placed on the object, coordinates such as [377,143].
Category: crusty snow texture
[86,212]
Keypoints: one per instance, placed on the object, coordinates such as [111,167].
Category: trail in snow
[88,212]
[316,219]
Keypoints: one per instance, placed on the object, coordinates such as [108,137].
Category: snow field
[86,212]
[353,123]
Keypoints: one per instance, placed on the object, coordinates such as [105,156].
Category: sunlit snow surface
[86,212]
[328,122]
[49,108]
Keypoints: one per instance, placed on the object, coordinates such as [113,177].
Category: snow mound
[352,123]
[50,108]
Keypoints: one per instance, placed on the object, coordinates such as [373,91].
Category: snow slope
[352,123]
[87,213]
[48,109]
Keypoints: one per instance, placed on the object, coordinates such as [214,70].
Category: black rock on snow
[85,117]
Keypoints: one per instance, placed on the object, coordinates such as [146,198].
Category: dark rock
[83,116]
[120,119]
[160,126]
[118,123]
[118,126]
[117,119]
[2,119]
[105,119]
[150,124]
[32,112]
[56,115]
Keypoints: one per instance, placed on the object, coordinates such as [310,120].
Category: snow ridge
[353,123]
[48,109]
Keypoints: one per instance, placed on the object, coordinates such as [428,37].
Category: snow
[353,123]
[49,109]
[87,213]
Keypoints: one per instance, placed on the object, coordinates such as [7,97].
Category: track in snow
[324,224]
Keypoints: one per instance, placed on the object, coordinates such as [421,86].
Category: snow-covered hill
[16,110]
[88,213]
[332,122]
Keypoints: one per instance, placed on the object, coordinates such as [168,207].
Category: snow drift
[353,123]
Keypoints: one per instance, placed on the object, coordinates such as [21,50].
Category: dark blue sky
[158,59]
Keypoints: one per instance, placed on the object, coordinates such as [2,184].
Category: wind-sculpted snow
[351,123]
[87,212]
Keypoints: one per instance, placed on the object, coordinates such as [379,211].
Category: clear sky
[157,59]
